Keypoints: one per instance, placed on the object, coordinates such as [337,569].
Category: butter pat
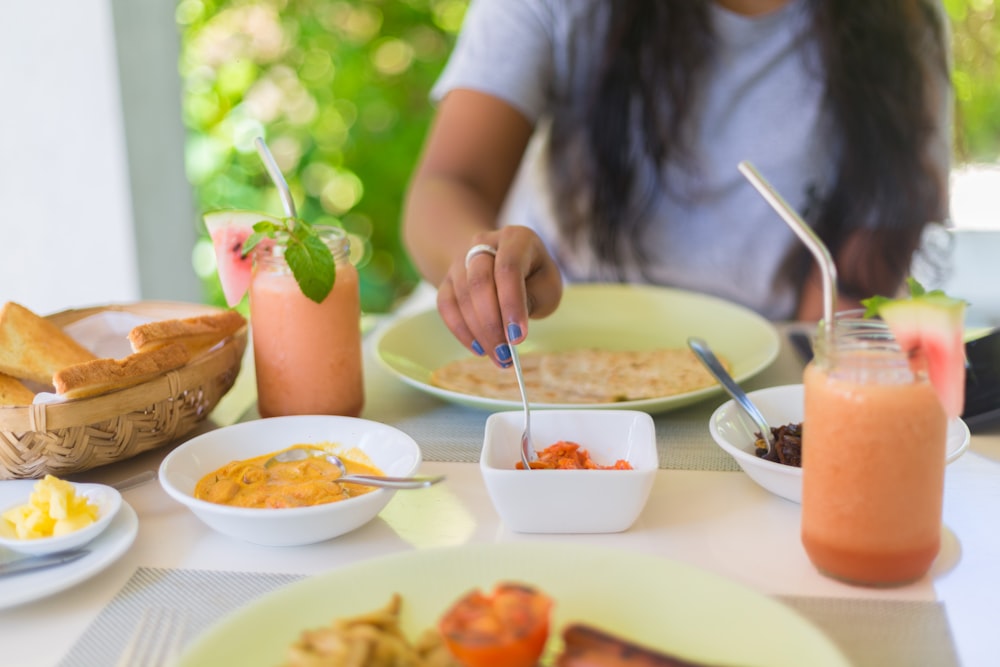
[53,508]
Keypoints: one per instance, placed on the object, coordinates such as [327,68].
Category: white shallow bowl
[391,450]
[570,501]
[108,502]
[732,431]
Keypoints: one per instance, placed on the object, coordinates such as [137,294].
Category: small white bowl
[108,502]
[392,451]
[570,501]
[782,405]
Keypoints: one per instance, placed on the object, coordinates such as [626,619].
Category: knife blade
[802,343]
[32,563]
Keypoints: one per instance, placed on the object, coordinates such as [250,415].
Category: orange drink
[874,433]
[307,354]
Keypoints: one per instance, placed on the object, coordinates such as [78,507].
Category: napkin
[105,334]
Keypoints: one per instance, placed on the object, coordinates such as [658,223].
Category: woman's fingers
[489,294]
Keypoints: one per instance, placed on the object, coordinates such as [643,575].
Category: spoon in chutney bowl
[303,453]
[719,372]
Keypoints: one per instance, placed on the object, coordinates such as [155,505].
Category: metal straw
[276,176]
[828,270]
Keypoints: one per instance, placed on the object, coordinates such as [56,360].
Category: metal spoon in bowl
[711,362]
[303,453]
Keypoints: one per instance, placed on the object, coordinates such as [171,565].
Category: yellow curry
[312,481]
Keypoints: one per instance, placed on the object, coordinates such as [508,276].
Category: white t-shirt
[760,101]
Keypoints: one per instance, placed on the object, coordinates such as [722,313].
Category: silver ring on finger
[479,249]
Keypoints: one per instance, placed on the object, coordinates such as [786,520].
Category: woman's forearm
[441,218]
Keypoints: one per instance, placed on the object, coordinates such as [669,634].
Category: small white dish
[108,501]
[392,451]
[785,405]
[570,501]
[104,550]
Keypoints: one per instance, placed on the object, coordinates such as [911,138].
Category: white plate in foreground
[664,604]
[104,549]
[613,317]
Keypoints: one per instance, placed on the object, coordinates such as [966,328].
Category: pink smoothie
[872,478]
[307,354]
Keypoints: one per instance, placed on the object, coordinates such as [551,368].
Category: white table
[718,521]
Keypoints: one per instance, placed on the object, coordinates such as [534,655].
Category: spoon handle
[418,482]
[701,349]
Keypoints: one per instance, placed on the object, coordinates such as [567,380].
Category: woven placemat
[882,633]
[454,434]
[876,633]
[201,596]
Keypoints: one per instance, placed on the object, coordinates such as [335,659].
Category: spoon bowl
[303,453]
[719,372]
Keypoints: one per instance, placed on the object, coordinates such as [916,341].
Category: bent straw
[828,271]
[276,176]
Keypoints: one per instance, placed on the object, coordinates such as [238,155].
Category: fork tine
[156,640]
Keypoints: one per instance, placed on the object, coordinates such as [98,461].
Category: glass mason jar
[307,354]
[873,457]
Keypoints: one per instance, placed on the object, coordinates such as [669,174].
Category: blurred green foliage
[339,90]
[975,28]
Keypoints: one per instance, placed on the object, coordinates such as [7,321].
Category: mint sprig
[310,260]
[874,304]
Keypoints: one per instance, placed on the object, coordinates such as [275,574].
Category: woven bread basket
[65,438]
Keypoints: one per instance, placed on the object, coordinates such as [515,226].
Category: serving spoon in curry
[303,453]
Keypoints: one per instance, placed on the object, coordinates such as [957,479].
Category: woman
[595,140]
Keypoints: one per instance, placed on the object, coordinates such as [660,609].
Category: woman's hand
[486,299]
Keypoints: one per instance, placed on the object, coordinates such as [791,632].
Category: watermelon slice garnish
[929,327]
[229,230]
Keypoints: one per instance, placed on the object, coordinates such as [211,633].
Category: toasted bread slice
[32,348]
[196,334]
[101,376]
[13,392]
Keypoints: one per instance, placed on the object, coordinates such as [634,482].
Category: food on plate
[369,640]
[101,376]
[625,375]
[311,481]
[33,348]
[229,230]
[508,626]
[787,445]
[586,646]
[197,334]
[13,392]
[928,327]
[53,508]
[566,455]
[586,375]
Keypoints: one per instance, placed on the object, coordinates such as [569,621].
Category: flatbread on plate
[587,375]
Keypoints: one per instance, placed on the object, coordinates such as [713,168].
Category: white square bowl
[570,501]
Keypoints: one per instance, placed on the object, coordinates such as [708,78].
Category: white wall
[70,235]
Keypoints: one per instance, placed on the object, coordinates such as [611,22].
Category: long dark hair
[878,60]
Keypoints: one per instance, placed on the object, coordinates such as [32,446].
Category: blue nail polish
[507,364]
[477,348]
[503,352]
[513,331]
